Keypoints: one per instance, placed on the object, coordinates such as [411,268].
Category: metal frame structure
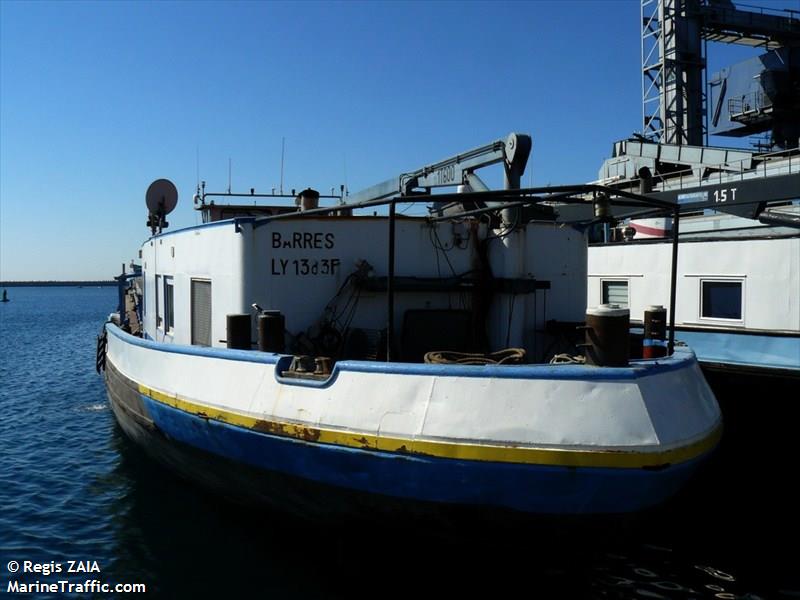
[674,35]
[498,201]
[673,66]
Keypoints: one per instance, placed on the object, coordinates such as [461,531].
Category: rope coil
[509,356]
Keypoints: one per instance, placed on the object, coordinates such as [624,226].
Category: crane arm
[513,152]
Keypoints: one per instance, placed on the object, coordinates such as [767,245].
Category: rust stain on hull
[308,434]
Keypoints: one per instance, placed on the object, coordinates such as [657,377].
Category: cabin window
[721,299]
[169,304]
[159,307]
[615,292]
[201,312]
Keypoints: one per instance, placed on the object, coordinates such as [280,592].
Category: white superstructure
[297,266]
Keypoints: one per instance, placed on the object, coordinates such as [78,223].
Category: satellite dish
[161,197]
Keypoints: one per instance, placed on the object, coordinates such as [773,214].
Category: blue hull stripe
[527,488]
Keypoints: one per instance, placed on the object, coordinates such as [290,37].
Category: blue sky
[99,99]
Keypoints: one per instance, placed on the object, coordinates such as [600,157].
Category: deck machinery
[758,95]
[671,158]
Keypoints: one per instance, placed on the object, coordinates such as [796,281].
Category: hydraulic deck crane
[460,169]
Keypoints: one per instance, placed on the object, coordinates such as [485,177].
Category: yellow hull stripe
[464,451]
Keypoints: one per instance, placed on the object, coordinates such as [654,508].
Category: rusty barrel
[271,327]
[607,332]
[654,344]
[238,331]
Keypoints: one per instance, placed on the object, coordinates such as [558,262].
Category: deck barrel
[238,331]
[654,344]
[607,328]
[271,327]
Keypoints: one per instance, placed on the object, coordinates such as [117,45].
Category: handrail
[508,198]
[763,10]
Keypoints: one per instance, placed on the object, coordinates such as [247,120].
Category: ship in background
[737,209]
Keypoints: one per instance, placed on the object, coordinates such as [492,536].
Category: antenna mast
[283,146]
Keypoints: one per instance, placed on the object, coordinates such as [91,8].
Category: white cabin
[193,278]
[734,283]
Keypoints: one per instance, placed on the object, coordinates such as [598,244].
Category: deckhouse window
[721,299]
[159,305]
[169,304]
[615,292]
[201,312]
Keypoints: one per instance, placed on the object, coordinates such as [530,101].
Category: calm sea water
[73,488]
